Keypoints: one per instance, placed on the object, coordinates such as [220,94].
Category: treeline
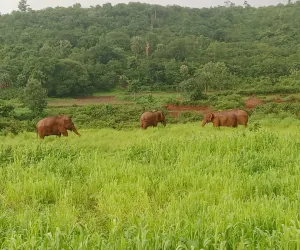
[77,51]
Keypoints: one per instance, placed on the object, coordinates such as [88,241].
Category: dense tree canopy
[75,51]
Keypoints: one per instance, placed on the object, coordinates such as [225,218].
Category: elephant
[218,119]
[242,116]
[55,125]
[151,118]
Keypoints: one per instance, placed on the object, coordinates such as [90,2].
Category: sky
[6,6]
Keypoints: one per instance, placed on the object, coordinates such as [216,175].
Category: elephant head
[207,119]
[161,117]
[66,122]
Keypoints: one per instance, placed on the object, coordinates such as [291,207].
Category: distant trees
[75,51]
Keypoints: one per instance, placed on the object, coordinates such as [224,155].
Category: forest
[78,51]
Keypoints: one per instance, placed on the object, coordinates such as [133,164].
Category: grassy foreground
[179,187]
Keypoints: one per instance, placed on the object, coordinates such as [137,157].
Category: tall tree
[35,96]
[23,6]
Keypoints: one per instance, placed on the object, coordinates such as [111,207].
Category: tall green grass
[178,187]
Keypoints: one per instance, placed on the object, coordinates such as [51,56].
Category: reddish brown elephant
[218,119]
[55,125]
[242,116]
[151,118]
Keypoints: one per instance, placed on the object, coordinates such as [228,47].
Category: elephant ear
[160,114]
[211,116]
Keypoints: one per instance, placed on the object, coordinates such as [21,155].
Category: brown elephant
[55,125]
[218,119]
[151,118]
[242,116]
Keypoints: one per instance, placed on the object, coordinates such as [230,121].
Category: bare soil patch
[253,102]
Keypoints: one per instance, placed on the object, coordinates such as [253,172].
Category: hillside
[75,51]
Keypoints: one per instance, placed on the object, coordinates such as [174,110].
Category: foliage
[6,110]
[214,76]
[23,6]
[77,51]
[192,89]
[34,96]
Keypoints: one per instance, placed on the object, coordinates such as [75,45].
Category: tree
[192,88]
[35,96]
[214,76]
[23,6]
[137,45]
[5,80]
[246,4]
[70,78]
[133,86]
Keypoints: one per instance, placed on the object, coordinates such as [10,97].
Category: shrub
[10,126]
[6,110]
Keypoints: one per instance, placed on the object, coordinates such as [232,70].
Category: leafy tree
[133,87]
[5,80]
[137,45]
[214,76]
[118,39]
[192,88]
[6,110]
[23,6]
[70,78]
[35,96]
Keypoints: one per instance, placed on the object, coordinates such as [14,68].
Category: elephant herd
[59,125]
[227,118]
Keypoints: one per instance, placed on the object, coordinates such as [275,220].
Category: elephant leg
[143,125]
[63,131]
[41,135]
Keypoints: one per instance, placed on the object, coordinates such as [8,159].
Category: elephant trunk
[164,121]
[75,130]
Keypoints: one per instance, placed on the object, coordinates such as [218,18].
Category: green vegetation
[34,96]
[178,187]
[78,51]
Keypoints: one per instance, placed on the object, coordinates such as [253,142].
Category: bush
[9,93]
[281,110]
[6,110]
[188,116]
[10,126]
[35,96]
[226,102]
[193,89]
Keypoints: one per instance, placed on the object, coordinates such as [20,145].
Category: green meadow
[178,187]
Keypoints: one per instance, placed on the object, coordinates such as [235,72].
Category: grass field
[178,187]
